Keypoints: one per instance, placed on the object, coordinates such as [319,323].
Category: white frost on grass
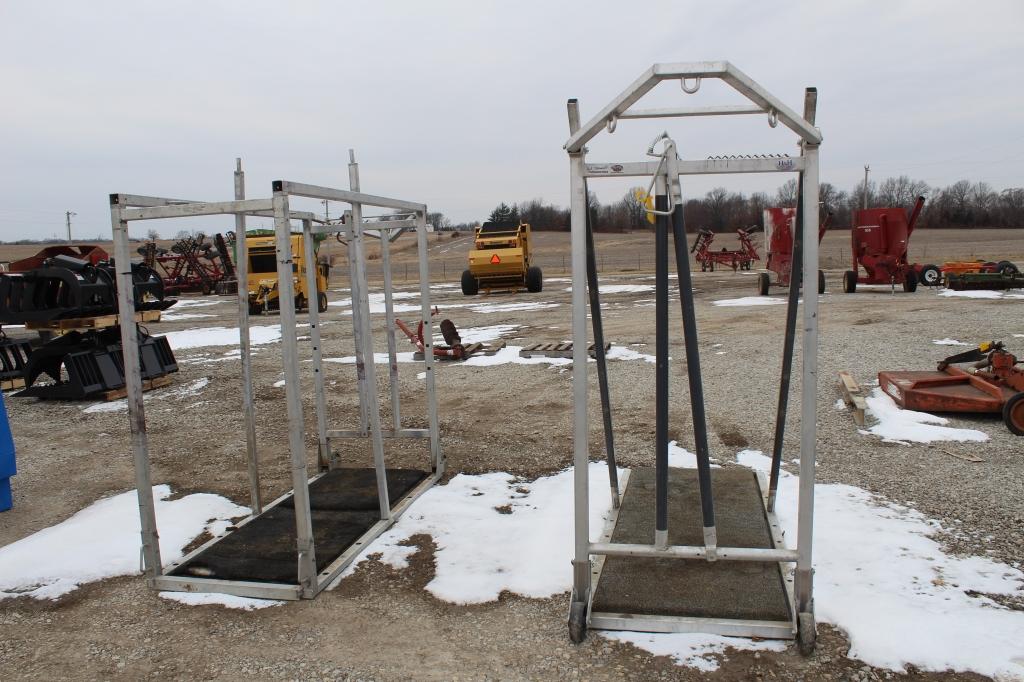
[511,307]
[896,425]
[222,336]
[102,541]
[495,532]
[193,388]
[229,601]
[948,342]
[694,650]
[622,288]
[748,301]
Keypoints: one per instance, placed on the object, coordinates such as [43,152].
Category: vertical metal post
[581,454]
[437,461]
[661,364]
[355,286]
[693,372]
[313,301]
[296,424]
[245,349]
[389,319]
[803,587]
[373,406]
[133,385]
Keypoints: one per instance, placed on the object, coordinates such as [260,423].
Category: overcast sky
[462,105]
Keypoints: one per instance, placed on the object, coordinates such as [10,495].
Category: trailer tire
[931,276]
[849,282]
[470,284]
[821,281]
[1013,414]
[763,283]
[321,302]
[1006,268]
[534,280]
[910,282]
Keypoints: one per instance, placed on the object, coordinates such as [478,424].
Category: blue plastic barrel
[7,467]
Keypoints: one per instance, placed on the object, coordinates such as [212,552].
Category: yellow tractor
[262,284]
[500,259]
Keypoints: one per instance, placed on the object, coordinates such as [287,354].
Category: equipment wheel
[1013,414]
[821,281]
[470,284]
[321,302]
[910,282]
[1006,268]
[931,276]
[807,635]
[703,267]
[534,279]
[300,302]
[849,282]
[255,309]
[577,622]
[763,282]
[207,289]
[712,266]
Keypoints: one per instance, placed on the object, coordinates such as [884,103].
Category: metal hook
[612,122]
[688,90]
[773,118]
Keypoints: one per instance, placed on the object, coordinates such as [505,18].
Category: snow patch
[511,307]
[226,600]
[102,541]
[622,288]
[749,301]
[949,342]
[694,650]
[222,336]
[981,293]
[193,388]
[896,425]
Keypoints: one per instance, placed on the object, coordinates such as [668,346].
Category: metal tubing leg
[244,346]
[389,317]
[133,384]
[793,298]
[296,424]
[693,374]
[661,367]
[602,362]
[313,301]
[436,456]
[355,287]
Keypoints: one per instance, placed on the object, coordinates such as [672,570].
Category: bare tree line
[961,205]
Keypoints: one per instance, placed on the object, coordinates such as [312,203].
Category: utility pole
[327,209]
[866,169]
[67,219]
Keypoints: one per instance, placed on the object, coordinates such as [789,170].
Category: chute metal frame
[588,555]
[126,208]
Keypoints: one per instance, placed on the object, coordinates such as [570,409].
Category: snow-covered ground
[748,301]
[896,425]
[102,541]
[983,293]
[222,336]
[191,389]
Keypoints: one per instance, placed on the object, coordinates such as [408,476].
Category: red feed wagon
[879,240]
[779,227]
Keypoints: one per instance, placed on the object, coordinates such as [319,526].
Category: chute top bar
[763,102]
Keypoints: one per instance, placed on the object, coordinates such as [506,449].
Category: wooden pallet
[853,395]
[470,348]
[85,323]
[556,349]
[12,384]
[147,385]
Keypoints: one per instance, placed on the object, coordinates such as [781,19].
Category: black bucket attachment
[86,365]
[14,357]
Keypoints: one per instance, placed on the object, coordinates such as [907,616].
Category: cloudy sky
[462,105]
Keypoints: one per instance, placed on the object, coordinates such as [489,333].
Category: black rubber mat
[682,587]
[343,506]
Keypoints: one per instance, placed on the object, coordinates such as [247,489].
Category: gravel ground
[380,623]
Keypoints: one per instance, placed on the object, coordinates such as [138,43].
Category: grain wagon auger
[642,575]
[298,544]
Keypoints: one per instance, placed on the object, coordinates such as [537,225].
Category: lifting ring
[773,118]
[612,122]
[689,90]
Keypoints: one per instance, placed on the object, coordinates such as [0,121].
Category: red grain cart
[741,258]
[779,227]
[879,240]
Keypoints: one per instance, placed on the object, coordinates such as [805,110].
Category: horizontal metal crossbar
[682,112]
[723,70]
[317,192]
[784,164]
[693,552]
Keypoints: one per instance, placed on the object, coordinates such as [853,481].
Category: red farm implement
[191,264]
[992,384]
[879,241]
[741,258]
[779,227]
[455,350]
[86,252]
